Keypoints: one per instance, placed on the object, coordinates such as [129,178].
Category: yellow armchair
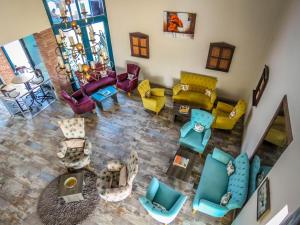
[196,94]
[226,116]
[156,101]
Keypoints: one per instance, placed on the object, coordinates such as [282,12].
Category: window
[220,56]
[17,56]
[279,217]
[55,9]
[91,7]
[139,45]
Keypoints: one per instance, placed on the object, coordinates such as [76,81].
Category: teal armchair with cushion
[215,182]
[192,139]
[162,202]
[256,170]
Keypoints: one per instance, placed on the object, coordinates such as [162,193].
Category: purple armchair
[79,102]
[129,81]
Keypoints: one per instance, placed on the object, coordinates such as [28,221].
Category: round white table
[23,78]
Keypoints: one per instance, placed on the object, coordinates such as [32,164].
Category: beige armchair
[75,150]
[109,185]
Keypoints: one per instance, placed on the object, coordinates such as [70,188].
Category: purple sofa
[79,102]
[94,84]
[128,85]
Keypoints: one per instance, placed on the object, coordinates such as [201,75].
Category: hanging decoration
[71,52]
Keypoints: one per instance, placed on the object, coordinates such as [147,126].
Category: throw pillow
[103,73]
[75,143]
[207,92]
[74,100]
[230,168]
[130,76]
[60,155]
[159,206]
[232,114]
[260,177]
[184,87]
[198,127]
[73,128]
[225,199]
[123,177]
[148,94]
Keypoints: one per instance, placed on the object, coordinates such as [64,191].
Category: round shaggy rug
[54,211]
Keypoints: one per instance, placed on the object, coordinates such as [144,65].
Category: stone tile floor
[28,159]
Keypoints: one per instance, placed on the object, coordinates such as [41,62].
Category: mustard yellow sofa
[226,116]
[277,134]
[156,99]
[201,90]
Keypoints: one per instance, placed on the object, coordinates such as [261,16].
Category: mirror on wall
[273,143]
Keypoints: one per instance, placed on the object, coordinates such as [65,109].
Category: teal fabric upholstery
[214,183]
[167,197]
[192,139]
[255,169]
[238,182]
[221,156]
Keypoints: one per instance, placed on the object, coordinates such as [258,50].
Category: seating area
[177,113]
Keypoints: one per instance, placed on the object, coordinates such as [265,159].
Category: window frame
[28,56]
[139,36]
[221,46]
[81,22]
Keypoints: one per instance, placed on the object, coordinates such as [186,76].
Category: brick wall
[47,45]
[6,71]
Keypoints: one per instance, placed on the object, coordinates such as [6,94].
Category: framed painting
[263,199]
[258,92]
[181,23]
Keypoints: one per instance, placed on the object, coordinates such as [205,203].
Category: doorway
[273,143]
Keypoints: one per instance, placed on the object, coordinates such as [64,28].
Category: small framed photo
[263,199]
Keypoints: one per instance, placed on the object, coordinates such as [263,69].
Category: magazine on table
[104,92]
[180,161]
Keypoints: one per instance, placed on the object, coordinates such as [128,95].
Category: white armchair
[75,150]
[108,183]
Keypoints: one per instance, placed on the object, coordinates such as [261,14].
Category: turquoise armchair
[255,169]
[192,139]
[165,196]
[214,183]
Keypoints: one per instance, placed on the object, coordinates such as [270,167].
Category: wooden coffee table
[73,194]
[178,171]
[182,116]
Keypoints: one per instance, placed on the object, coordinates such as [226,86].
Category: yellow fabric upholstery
[277,134]
[196,94]
[157,100]
[222,111]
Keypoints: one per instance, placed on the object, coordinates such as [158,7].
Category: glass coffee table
[103,94]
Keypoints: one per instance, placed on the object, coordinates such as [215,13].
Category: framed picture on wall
[259,90]
[263,199]
[181,23]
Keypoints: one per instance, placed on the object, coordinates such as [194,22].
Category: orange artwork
[174,22]
[180,23]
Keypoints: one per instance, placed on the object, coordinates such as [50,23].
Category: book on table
[180,161]
[104,92]
[184,109]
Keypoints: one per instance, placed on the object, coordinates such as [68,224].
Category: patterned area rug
[53,210]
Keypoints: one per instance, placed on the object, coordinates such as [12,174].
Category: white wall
[247,24]
[19,18]
[284,65]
